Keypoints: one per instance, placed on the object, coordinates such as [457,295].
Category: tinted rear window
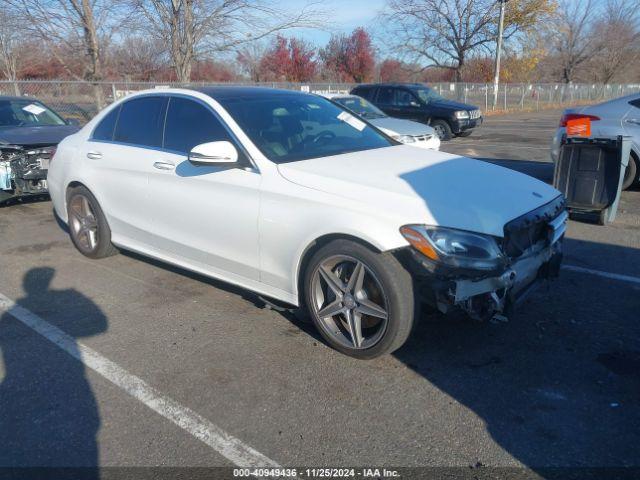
[104,130]
[141,121]
[190,123]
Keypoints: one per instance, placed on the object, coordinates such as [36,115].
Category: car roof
[244,93]
[391,84]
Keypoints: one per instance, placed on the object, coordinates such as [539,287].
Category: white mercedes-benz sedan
[291,196]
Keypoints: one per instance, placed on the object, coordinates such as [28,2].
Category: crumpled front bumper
[484,295]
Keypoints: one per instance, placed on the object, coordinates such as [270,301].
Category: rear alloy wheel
[360,301]
[88,227]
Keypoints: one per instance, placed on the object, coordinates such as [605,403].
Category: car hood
[397,126]
[49,135]
[452,104]
[411,185]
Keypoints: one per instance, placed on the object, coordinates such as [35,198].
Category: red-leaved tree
[349,58]
[291,60]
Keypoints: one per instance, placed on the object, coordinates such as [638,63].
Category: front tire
[361,302]
[88,227]
[443,130]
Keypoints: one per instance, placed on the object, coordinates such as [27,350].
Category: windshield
[427,95]
[19,113]
[361,107]
[292,127]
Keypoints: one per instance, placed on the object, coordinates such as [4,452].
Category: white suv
[288,195]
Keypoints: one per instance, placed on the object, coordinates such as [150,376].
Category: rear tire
[88,227]
[367,299]
[631,173]
[442,128]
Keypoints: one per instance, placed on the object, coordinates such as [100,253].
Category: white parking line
[228,446]
[613,276]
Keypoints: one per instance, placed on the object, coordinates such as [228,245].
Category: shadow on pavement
[559,384]
[48,412]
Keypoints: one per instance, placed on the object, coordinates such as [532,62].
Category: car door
[385,101]
[204,215]
[631,123]
[408,105]
[119,157]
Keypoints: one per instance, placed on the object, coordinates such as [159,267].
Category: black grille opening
[524,232]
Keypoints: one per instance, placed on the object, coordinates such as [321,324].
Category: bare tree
[444,33]
[250,59]
[195,28]
[9,42]
[73,25]
[618,36]
[573,43]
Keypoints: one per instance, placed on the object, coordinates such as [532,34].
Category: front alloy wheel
[349,301]
[360,301]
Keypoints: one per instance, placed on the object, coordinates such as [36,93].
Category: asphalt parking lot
[556,386]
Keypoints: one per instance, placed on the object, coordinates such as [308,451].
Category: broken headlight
[455,248]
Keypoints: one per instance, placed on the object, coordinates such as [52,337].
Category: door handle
[635,121]
[164,166]
[93,155]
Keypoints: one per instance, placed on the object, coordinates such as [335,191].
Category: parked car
[287,194]
[29,133]
[620,116]
[418,102]
[404,131]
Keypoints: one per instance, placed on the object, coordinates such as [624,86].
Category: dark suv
[416,101]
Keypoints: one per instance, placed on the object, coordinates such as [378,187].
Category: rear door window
[190,123]
[141,121]
[104,130]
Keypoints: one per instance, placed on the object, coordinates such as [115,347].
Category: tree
[197,28]
[444,33]
[9,45]
[73,25]
[249,58]
[618,34]
[391,70]
[360,61]
[573,43]
[349,58]
[291,60]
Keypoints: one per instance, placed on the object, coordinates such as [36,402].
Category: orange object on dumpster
[579,127]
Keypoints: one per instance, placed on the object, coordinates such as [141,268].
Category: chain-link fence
[82,100]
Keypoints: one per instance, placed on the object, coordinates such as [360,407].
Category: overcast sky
[349,14]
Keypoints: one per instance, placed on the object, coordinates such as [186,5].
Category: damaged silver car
[29,133]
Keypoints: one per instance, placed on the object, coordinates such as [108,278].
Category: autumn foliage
[290,60]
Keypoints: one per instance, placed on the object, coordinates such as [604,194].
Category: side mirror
[212,154]
[73,121]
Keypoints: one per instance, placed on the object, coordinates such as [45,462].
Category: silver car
[404,131]
[609,119]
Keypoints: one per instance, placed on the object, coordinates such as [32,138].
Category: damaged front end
[23,170]
[497,273]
